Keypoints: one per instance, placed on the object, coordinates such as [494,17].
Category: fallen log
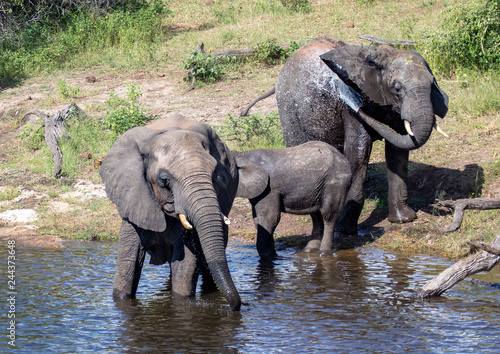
[484,260]
[55,130]
[460,205]
[245,52]
[392,42]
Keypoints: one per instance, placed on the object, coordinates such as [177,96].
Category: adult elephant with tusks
[350,96]
[173,183]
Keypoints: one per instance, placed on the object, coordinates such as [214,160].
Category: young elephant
[312,178]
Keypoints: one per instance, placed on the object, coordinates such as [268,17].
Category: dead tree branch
[482,261]
[55,130]
[460,205]
[245,52]
[393,42]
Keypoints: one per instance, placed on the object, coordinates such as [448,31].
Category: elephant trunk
[206,217]
[418,112]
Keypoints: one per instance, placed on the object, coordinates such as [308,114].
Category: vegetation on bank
[459,38]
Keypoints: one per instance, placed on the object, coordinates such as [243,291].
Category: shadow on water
[358,299]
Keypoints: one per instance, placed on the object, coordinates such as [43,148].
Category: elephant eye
[221,178]
[163,180]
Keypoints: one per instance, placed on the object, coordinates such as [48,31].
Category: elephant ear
[360,68]
[252,180]
[124,175]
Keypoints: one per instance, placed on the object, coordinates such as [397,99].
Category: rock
[19,216]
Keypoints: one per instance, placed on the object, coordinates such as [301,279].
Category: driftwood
[485,260]
[460,205]
[55,130]
[245,52]
[392,42]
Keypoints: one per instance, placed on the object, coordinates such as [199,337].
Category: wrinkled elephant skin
[312,178]
[172,183]
[398,95]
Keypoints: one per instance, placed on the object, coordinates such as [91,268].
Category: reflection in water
[357,299]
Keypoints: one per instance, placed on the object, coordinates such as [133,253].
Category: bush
[86,136]
[54,42]
[469,38]
[253,131]
[32,137]
[205,68]
[126,113]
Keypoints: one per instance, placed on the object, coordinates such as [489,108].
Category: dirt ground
[165,93]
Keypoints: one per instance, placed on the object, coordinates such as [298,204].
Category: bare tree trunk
[54,130]
[460,205]
[484,260]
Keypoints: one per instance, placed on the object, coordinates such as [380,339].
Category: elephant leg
[328,236]
[129,262]
[267,215]
[184,272]
[317,233]
[357,150]
[397,174]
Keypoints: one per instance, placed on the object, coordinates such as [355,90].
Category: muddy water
[355,301]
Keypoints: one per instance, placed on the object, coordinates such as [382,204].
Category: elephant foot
[324,253]
[401,215]
[268,256]
[312,246]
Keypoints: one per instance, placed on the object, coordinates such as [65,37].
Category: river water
[355,301]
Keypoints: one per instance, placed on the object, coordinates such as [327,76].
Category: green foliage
[86,136]
[66,90]
[297,5]
[126,113]
[205,68]
[9,193]
[469,38]
[32,137]
[270,53]
[253,131]
[133,28]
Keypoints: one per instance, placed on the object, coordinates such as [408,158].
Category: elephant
[172,183]
[312,178]
[349,96]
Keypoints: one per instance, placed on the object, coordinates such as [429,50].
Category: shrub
[32,137]
[270,53]
[62,38]
[66,90]
[126,113]
[253,131]
[85,136]
[205,68]
[469,38]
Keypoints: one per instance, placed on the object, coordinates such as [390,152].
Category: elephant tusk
[226,219]
[184,222]
[440,131]
[408,128]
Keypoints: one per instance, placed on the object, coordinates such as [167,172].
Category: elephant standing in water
[173,183]
[312,178]
[350,96]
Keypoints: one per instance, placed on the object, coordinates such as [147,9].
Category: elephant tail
[261,97]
